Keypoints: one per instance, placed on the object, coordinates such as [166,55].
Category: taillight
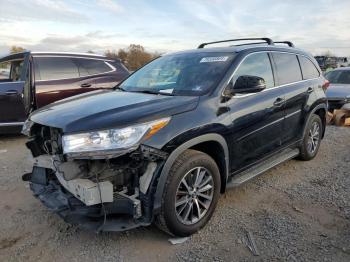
[325,85]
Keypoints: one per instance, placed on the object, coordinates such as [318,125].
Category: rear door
[297,91]
[103,74]
[55,78]
[14,84]
[59,77]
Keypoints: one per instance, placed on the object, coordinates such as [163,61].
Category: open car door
[15,91]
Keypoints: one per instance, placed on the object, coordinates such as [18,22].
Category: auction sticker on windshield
[213,59]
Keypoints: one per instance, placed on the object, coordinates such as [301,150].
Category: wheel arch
[321,111]
[210,144]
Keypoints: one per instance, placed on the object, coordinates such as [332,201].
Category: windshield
[339,76]
[181,74]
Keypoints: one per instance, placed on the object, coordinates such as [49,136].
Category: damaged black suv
[176,134]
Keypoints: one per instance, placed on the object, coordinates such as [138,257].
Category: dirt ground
[298,211]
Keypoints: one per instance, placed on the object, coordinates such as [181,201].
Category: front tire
[312,138]
[190,195]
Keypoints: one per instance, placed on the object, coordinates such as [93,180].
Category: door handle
[279,102]
[11,92]
[85,85]
[310,90]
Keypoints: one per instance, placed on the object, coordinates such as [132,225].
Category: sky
[165,26]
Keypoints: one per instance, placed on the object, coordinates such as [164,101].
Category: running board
[262,167]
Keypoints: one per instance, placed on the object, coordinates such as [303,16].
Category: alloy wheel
[313,138]
[194,195]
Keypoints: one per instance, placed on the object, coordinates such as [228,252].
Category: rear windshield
[339,76]
[181,74]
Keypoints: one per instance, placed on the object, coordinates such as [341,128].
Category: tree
[112,54]
[123,56]
[16,49]
[133,57]
[137,57]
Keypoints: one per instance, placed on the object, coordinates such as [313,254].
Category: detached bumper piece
[120,214]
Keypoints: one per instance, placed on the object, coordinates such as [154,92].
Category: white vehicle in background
[343,61]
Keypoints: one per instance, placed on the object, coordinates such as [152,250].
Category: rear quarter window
[287,68]
[91,66]
[308,68]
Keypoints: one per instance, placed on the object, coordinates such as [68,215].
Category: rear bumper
[119,214]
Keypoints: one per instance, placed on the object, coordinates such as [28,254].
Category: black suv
[175,135]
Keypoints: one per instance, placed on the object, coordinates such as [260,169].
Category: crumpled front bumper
[119,214]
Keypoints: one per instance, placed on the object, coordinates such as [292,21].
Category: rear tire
[190,194]
[312,138]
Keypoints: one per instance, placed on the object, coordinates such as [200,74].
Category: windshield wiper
[152,92]
[119,88]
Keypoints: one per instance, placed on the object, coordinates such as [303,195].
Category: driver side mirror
[245,84]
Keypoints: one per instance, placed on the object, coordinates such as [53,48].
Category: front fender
[173,156]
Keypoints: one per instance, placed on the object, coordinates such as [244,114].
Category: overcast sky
[98,25]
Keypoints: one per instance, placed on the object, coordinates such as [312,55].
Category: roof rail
[289,43]
[267,40]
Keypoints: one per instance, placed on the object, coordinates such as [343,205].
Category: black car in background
[175,135]
[30,80]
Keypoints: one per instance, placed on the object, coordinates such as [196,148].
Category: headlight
[124,139]
[26,127]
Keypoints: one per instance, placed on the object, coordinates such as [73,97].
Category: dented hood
[109,109]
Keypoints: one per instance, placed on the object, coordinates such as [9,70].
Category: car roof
[250,47]
[73,54]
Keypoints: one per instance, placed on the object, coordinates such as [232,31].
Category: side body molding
[212,137]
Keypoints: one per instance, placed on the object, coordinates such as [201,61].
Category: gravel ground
[298,211]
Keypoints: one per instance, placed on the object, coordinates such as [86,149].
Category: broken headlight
[112,139]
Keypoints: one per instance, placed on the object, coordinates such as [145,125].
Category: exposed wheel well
[215,151]
[322,114]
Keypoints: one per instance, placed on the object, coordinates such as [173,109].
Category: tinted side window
[308,68]
[11,70]
[51,68]
[91,67]
[257,64]
[287,67]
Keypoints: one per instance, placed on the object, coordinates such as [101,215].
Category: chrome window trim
[73,56]
[12,82]
[12,124]
[271,88]
[65,53]
[113,69]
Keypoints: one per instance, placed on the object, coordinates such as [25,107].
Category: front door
[13,84]
[257,118]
